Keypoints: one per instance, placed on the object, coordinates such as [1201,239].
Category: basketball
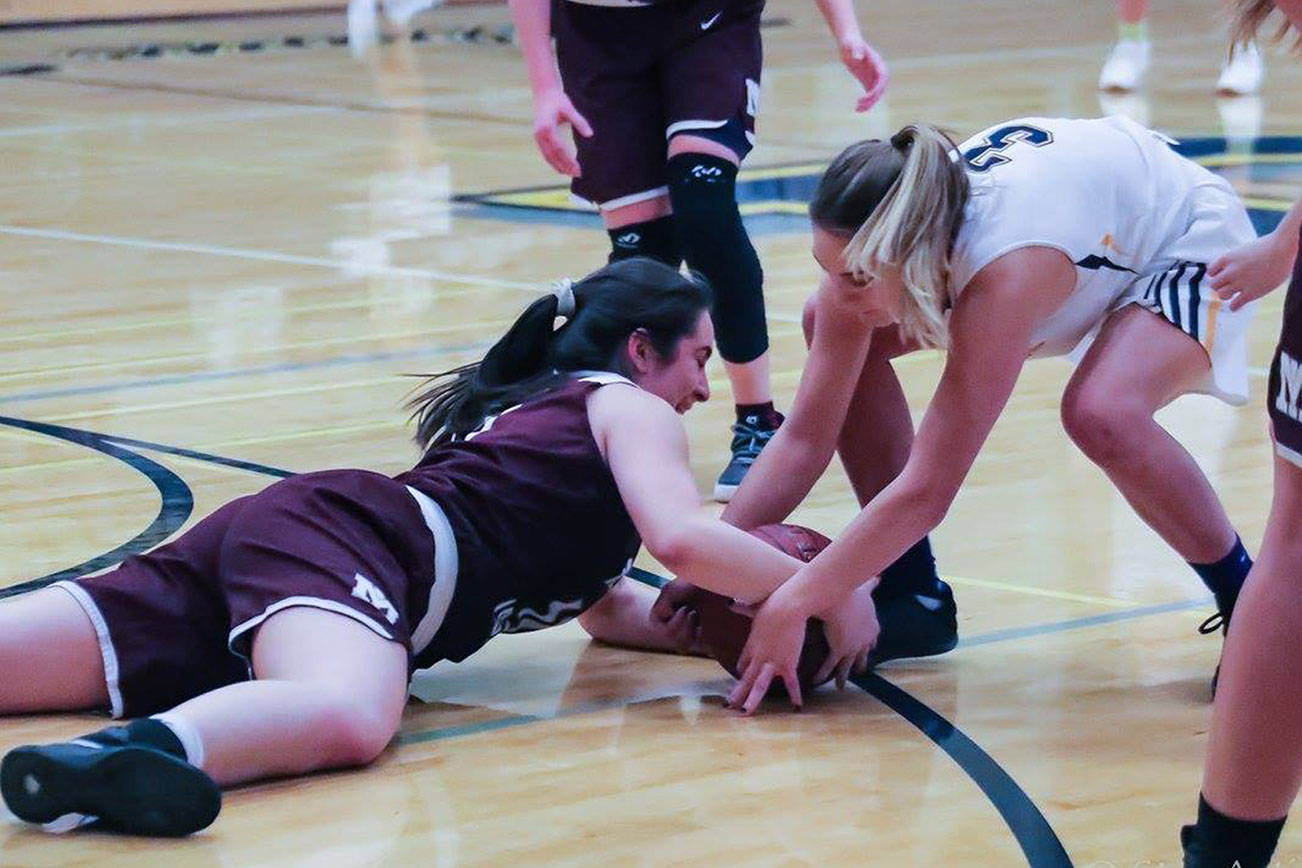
[724,631]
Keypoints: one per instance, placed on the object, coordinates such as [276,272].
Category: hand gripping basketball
[724,629]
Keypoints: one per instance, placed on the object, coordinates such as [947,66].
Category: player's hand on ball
[852,630]
[866,65]
[1250,271]
[673,612]
[552,110]
[771,652]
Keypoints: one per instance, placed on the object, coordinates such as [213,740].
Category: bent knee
[1102,426]
[357,735]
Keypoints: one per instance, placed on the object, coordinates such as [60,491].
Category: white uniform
[1140,222]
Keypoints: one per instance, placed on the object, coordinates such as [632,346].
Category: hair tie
[564,293]
[903,139]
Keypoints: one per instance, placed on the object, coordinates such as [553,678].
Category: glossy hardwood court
[219,262]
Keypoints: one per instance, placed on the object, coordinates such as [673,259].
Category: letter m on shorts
[1290,386]
[366,590]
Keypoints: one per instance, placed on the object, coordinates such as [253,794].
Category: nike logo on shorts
[705,25]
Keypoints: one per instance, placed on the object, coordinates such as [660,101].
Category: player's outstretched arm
[552,108]
[803,447]
[860,58]
[990,335]
[1252,270]
[646,448]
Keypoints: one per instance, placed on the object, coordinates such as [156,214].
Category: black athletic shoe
[125,788]
[916,625]
[1200,855]
[1216,623]
[748,440]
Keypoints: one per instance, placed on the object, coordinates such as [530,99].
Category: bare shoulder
[626,409]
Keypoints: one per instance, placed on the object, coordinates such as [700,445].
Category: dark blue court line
[176,507]
[279,368]
[1034,835]
[251,466]
[1078,623]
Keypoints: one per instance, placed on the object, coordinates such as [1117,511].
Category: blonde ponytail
[909,220]
[1247,18]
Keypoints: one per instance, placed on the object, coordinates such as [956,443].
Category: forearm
[840,18]
[721,558]
[1286,233]
[780,479]
[902,514]
[623,617]
[532,20]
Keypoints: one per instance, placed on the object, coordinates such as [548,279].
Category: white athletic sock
[186,734]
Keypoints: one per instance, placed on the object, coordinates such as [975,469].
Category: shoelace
[1212,624]
[749,440]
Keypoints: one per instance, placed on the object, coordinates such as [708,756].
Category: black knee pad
[653,238]
[703,193]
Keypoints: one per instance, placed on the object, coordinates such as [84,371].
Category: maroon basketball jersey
[541,530]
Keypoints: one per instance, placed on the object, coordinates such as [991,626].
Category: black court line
[177,501]
[1039,843]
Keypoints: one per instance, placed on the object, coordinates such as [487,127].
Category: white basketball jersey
[1110,194]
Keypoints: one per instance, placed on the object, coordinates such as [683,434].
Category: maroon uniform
[640,73]
[518,526]
[1284,395]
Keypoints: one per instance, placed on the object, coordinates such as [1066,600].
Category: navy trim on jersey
[1094,263]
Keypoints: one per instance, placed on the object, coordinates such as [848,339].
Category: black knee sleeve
[653,238]
[702,190]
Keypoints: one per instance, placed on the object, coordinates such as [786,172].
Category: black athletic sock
[1224,578]
[1219,841]
[913,572]
[654,238]
[146,732]
[760,415]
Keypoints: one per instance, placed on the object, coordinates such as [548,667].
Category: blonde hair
[1247,18]
[901,202]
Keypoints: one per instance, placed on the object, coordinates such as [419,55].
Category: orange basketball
[724,631]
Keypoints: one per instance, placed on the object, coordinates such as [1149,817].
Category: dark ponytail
[534,355]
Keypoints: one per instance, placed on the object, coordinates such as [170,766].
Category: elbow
[928,501]
[675,549]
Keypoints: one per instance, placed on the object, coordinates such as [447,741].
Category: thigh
[710,76]
[1139,360]
[606,59]
[49,656]
[308,645]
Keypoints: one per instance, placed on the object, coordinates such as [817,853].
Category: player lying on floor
[278,635]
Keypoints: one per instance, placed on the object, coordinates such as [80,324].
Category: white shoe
[1243,73]
[400,12]
[363,27]
[1126,65]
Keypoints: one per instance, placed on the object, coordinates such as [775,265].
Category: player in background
[662,98]
[1254,751]
[277,636]
[1129,60]
[1042,237]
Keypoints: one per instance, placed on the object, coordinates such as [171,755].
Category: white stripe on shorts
[106,650]
[446,566]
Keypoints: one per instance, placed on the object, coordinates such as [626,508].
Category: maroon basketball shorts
[641,74]
[1284,395]
[180,620]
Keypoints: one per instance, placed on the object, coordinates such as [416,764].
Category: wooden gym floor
[234,250]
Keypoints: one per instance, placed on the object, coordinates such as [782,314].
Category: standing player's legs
[49,657]
[1254,766]
[709,76]
[1138,364]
